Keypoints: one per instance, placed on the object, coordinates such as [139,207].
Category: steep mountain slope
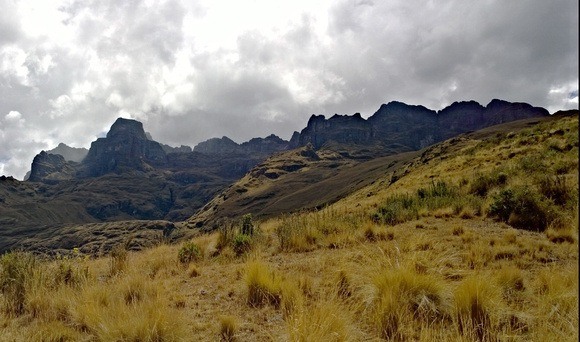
[305,178]
[298,179]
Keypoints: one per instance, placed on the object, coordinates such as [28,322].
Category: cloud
[191,70]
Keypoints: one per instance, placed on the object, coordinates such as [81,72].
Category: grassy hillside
[476,239]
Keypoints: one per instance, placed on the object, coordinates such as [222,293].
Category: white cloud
[13,116]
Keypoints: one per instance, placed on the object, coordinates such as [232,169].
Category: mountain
[398,127]
[125,148]
[128,176]
[225,145]
[306,179]
[74,154]
[124,176]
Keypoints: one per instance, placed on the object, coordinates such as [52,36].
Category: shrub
[246,226]
[241,244]
[503,205]
[16,271]
[397,209]
[438,189]
[404,207]
[68,272]
[522,209]
[189,252]
[556,189]
[481,183]
[226,234]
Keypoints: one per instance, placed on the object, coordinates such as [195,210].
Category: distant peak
[127,126]
[315,117]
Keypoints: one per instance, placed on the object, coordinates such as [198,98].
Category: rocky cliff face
[339,128]
[400,127]
[255,146]
[126,147]
[405,127]
[461,117]
[50,167]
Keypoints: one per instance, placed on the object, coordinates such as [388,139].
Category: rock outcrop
[49,167]
[126,147]
[339,128]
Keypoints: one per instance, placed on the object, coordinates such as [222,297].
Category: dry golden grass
[449,273]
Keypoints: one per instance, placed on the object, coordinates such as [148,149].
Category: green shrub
[439,189]
[241,244]
[481,183]
[503,205]
[397,209]
[189,252]
[226,234]
[533,163]
[247,227]
[404,207]
[70,272]
[522,209]
[556,189]
[16,271]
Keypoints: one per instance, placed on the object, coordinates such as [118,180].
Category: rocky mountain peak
[125,147]
[223,145]
[50,167]
[69,153]
[127,128]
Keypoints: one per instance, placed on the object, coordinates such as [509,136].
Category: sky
[191,70]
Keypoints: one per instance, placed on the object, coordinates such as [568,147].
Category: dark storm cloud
[434,55]
[143,59]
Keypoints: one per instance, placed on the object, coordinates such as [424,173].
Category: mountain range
[128,176]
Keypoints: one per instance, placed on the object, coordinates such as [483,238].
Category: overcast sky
[192,70]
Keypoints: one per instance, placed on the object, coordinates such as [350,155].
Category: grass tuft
[475,300]
[228,328]
[16,272]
